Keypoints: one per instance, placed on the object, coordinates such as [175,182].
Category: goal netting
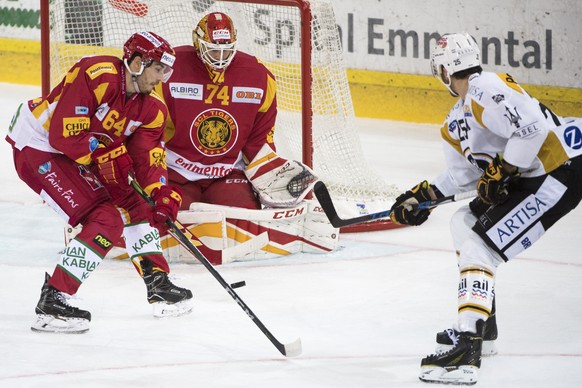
[316,121]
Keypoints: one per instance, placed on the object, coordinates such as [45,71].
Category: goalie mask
[150,47]
[454,53]
[214,39]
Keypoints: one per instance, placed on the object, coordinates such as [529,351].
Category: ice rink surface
[366,314]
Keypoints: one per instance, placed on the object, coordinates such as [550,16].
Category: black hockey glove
[493,184]
[405,211]
[478,207]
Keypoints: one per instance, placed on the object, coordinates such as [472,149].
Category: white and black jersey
[498,116]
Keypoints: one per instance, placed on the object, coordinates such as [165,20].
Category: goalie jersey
[89,107]
[217,120]
[498,117]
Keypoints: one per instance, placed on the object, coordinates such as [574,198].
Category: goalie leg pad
[303,228]
[248,234]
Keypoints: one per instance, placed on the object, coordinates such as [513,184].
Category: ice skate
[457,366]
[167,299]
[446,339]
[55,315]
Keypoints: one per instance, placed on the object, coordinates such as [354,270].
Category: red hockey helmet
[215,40]
[150,47]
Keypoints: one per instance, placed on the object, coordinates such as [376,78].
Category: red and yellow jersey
[90,106]
[215,124]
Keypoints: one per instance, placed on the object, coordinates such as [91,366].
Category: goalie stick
[328,207]
[176,230]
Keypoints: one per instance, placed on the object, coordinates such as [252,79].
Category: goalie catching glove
[113,164]
[405,209]
[167,201]
[279,182]
[493,184]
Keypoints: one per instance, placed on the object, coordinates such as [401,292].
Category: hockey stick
[328,207]
[176,230]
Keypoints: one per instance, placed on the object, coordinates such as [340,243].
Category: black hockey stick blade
[175,229]
[324,198]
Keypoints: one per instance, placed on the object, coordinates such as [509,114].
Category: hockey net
[316,121]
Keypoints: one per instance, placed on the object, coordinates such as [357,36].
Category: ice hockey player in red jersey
[222,106]
[76,147]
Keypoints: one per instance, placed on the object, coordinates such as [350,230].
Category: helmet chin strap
[453,93]
[134,81]
[449,84]
[134,74]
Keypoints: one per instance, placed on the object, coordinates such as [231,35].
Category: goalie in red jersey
[76,147]
[222,109]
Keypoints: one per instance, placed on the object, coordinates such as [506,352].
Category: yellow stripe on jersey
[477,112]
[266,158]
[99,91]
[150,188]
[158,96]
[157,122]
[84,160]
[269,95]
[71,76]
[170,130]
[39,109]
[552,155]
[508,80]
[456,144]
[158,91]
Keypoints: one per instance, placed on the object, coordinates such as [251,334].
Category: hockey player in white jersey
[524,162]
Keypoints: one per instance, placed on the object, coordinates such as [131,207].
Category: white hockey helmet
[454,52]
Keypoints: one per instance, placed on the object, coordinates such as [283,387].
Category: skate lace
[160,282]
[454,337]
[62,298]
[445,353]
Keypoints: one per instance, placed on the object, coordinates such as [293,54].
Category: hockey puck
[238,284]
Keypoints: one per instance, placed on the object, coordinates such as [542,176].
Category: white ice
[365,314]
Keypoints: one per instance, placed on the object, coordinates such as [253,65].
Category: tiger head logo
[214,132]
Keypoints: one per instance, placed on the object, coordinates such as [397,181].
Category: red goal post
[297,39]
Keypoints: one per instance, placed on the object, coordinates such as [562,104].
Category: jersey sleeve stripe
[448,138]
[269,95]
[552,154]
